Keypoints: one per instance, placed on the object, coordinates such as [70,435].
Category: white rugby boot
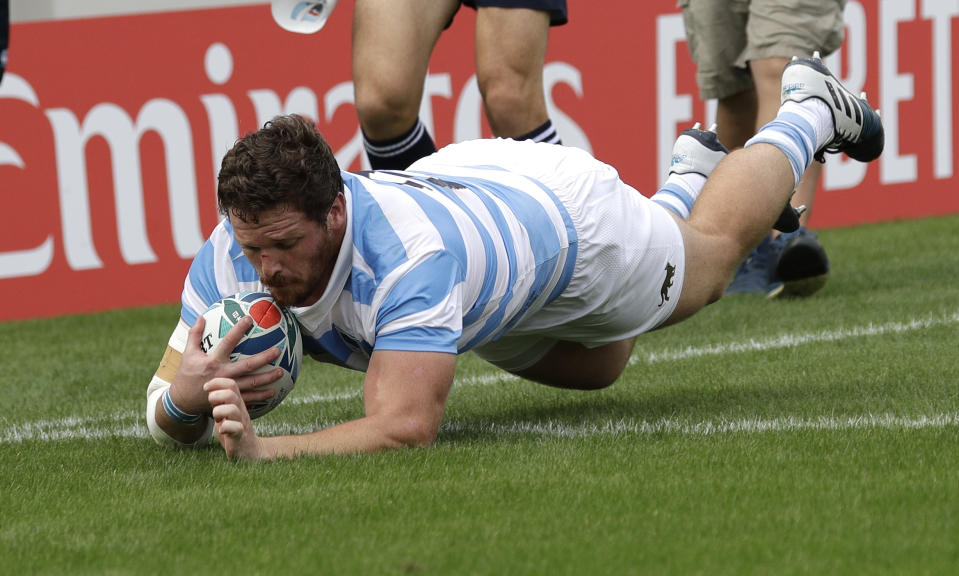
[697,151]
[858,129]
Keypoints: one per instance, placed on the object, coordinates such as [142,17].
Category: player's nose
[269,265]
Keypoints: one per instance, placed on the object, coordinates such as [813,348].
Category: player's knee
[718,289]
[512,108]
[383,111]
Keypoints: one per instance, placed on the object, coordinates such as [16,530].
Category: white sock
[799,131]
[817,113]
[680,192]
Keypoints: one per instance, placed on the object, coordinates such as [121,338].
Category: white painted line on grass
[792,340]
[65,430]
[130,424]
[631,427]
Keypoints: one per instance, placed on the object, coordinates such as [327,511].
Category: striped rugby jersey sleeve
[219,269]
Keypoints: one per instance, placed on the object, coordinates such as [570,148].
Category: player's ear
[336,217]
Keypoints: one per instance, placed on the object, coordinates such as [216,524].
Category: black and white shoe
[858,129]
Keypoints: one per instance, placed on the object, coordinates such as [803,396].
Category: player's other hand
[197,368]
[232,421]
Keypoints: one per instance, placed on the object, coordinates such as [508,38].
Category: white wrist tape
[157,389]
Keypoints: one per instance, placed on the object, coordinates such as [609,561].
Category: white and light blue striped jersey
[429,262]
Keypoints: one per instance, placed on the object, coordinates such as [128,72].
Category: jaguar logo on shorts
[667,284]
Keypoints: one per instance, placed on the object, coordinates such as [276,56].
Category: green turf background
[838,454]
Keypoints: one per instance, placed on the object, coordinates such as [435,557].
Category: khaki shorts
[724,35]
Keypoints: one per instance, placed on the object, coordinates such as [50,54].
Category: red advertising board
[111,128]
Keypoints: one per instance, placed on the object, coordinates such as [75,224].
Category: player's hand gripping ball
[272,327]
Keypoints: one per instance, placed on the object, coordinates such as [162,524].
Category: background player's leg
[510,55]
[392,43]
[736,118]
[4,34]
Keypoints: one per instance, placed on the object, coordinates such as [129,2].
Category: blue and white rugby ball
[273,326]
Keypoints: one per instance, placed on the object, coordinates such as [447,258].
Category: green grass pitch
[786,437]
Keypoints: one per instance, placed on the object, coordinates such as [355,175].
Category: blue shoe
[801,265]
[756,274]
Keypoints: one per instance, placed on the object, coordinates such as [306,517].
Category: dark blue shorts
[556,8]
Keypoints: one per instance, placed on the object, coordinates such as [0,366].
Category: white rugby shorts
[630,260]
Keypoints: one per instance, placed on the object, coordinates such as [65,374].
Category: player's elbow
[413,432]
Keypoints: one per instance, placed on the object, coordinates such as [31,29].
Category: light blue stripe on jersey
[427,285]
[492,264]
[334,344]
[202,278]
[545,245]
[380,247]
[202,275]
[543,241]
[496,318]
[443,221]
[572,242]
[419,338]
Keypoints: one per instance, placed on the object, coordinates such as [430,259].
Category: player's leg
[735,211]
[778,30]
[746,192]
[392,43]
[574,366]
[767,73]
[510,56]
[797,261]
[736,117]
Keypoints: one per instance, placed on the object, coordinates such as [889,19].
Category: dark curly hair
[286,163]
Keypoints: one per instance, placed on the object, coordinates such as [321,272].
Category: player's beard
[303,291]
[287,292]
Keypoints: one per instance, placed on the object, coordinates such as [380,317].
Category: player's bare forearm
[404,393]
[368,434]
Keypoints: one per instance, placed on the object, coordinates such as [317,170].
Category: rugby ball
[273,326]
